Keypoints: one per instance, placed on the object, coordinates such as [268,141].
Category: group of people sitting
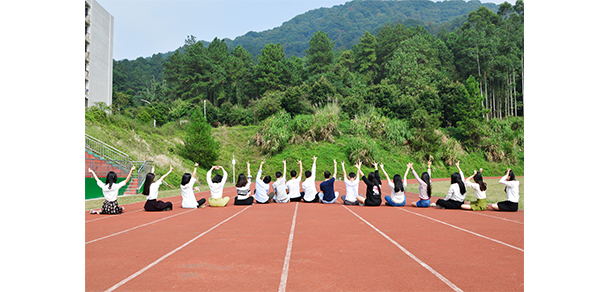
[290,191]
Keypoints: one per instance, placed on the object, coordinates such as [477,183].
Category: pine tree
[199,145]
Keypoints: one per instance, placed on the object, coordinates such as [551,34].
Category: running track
[304,247]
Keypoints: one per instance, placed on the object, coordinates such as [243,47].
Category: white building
[99,25]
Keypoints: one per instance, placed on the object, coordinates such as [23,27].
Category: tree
[199,145]
[320,56]
[269,70]
[366,57]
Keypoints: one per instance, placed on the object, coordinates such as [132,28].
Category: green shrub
[274,133]
[360,149]
[397,132]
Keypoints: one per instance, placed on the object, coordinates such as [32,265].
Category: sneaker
[92,211]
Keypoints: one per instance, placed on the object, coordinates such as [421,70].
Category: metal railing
[107,152]
[114,156]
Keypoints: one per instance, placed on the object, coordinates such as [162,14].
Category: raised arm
[130,172]
[344,173]
[208,176]
[248,165]
[429,171]
[335,173]
[94,175]
[284,173]
[165,175]
[195,170]
[460,170]
[260,171]
[225,175]
[360,173]
[406,172]
[386,174]
[313,168]
[300,168]
[470,177]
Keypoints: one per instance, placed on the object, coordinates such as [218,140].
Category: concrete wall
[100,80]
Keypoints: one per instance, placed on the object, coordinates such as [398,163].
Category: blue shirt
[328,188]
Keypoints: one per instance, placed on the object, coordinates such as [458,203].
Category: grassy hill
[160,145]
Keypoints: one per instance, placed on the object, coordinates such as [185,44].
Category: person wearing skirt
[110,189]
[151,191]
[479,187]
[512,193]
[456,194]
[243,189]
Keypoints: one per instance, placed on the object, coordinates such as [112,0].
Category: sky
[146,27]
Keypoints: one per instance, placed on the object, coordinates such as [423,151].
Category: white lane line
[284,278]
[430,269]
[106,216]
[119,284]
[145,224]
[478,213]
[459,228]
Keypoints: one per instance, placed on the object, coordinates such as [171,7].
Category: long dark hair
[111,178]
[149,180]
[398,187]
[373,178]
[242,180]
[456,178]
[186,178]
[478,178]
[426,178]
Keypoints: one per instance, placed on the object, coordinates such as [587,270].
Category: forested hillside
[397,90]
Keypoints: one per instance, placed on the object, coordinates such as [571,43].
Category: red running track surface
[332,247]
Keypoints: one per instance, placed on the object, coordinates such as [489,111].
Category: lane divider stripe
[438,275]
[119,284]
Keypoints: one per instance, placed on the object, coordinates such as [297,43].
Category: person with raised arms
[373,188]
[261,194]
[327,187]
[456,194]
[110,189]
[512,193]
[243,188]
[397,196]
[279,186]
[309,185]
[351,185]
[294,184]
[217,185]
[425,187]
[151,191]
[479,187]
[186,190]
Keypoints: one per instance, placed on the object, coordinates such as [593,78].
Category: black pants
[315,200]
[200,202]
[297,199]
[449,204]
[156,205]
[508,206]
[247,201]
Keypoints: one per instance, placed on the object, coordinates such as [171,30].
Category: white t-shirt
[512,189]
[112,193]
[216,188]
[351,189]
[188,196]
[294,187]
[477,189]
[154,190]
[261,189]
[309,185]
[279,187]
[400,196]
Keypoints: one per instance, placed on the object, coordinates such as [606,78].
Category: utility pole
[233,162]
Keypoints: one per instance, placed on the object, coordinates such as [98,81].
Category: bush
[97,113]
[397,132]
[274,133]
[360,149]
[199,145]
